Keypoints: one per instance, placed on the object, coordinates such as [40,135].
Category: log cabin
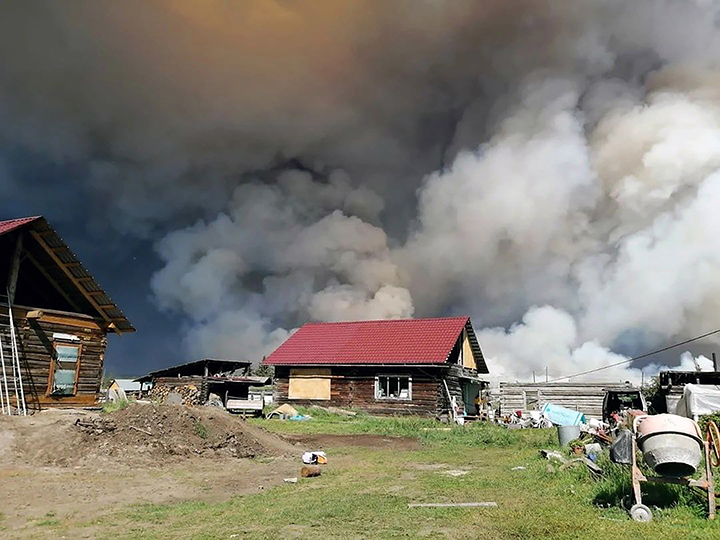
[386,367]
[58,314]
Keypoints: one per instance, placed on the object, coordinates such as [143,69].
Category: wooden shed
[409,366]
[54,318]
[586,397]
[194,381]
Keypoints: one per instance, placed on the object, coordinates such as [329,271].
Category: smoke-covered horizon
[551,169]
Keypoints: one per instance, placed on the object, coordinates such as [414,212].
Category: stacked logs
[189,393]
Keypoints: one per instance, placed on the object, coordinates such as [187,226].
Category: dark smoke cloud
[529,162]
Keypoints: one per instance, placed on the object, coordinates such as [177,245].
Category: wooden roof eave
[117,324]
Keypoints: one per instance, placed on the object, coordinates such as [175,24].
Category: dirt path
[321,441]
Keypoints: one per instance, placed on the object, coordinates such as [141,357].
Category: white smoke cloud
[282,253]
[551,169]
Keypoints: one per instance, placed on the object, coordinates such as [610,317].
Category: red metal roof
[12,224]
[404,341]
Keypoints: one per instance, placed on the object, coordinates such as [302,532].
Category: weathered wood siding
[584,397]
[355,387]
[35,347]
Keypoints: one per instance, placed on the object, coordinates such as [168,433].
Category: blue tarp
[560,416]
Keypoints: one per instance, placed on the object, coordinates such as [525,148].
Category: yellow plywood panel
[468,356]
[309,383]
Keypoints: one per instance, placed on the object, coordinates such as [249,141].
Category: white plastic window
[393,387]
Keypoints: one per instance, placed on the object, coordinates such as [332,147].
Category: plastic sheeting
[560,416]
[698,399]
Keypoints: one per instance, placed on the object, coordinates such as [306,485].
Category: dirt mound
[151,435]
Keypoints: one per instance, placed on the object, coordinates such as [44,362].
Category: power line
[680,344]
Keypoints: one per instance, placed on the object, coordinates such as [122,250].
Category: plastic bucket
[567,434]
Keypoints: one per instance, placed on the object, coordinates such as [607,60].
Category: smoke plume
[550,168]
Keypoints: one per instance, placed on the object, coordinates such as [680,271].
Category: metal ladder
[11,374]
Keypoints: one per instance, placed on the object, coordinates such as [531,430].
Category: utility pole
[715,364]
[533,375]
[546,374]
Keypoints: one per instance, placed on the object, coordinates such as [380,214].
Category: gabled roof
[47,250]
[403,341]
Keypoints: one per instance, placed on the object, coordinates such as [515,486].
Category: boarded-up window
[309,383]
[468,358]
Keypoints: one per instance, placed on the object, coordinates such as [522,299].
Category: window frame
[530,402]
[54,364]
[388,376]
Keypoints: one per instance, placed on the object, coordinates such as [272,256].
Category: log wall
[354,387]
[36,350]
[584,397]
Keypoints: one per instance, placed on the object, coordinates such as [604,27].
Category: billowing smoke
[550,168]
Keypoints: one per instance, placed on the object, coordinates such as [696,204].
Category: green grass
[201,430]
[114,406]
[427,430]
[364,493]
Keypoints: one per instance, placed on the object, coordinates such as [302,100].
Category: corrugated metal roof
[197,367]
[404,341]
[12,224]
[68,269]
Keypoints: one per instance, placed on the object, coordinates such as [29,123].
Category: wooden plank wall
[35,347]
[584,397]
[354,387]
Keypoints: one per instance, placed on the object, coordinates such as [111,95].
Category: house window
[63,377]
[532,400]
[393,387]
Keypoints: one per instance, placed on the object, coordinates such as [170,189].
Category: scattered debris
[95,425]
[553,454]
[140,430]
[309,471]
[519,468]
[284,411]
[621,448]
[292,480]
[314,458]
[592,450]
[454,505]
[590,465]
[455,472]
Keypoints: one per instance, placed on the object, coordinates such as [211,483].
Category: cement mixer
[673,448]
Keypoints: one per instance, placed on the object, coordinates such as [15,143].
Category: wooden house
[58,315]
[411,366]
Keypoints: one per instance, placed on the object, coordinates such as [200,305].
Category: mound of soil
[150,434]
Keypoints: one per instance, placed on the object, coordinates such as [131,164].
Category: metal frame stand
[640,512]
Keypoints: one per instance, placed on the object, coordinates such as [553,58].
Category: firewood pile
[189,393]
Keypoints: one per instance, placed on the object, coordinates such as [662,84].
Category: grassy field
[364,493]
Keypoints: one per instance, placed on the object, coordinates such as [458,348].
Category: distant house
[195,381]
[54,319]
[131,387]
[410,366]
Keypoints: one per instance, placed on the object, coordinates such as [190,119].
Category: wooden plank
[14,268]
[71,322]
